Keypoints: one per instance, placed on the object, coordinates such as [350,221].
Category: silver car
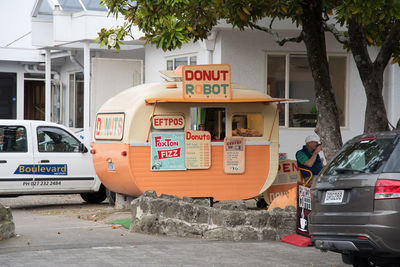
[356,202]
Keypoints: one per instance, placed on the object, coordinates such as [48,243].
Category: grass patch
[124,222]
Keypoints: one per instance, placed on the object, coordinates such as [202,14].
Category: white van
[38,157]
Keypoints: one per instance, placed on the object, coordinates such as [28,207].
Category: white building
[56,36]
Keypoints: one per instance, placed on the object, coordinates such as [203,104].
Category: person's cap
[312,138]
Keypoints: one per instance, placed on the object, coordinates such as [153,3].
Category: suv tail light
[386,189]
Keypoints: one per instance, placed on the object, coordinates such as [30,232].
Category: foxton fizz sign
[109,126]
[167,151]
[207,82]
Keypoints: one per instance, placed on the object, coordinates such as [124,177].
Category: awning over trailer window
[238,100]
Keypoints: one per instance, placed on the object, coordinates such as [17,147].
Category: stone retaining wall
[186,217]
[7,226]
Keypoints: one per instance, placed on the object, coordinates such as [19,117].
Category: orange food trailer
[201,138]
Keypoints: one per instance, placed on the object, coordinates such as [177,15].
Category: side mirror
[82,148]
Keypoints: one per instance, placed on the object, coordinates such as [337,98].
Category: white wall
[68,67]
[245,52]
[110,76]
[15,22]
[155,59]
[15,31]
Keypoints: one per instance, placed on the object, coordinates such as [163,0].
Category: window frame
[287,83]
[72,88]
[188,56]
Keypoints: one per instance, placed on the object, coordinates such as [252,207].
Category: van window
[52,139]
[13,139]
[249,125]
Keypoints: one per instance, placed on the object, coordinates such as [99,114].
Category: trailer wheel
[261,204]
[95,197]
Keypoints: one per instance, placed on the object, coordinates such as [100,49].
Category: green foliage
[170,23]
[376,17]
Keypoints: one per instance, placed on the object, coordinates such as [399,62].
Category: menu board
[234,155]
[197,149]
[167,151]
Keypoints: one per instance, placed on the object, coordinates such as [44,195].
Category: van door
[61,166]
[16,158]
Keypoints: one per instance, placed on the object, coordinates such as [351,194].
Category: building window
[289,76]
[76,84]
[174,62]
[8,95]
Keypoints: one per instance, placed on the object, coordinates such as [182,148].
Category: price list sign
[197,149]
[234,155]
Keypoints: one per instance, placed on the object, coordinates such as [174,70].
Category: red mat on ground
[297,240]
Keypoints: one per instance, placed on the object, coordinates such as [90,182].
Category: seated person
[20,141]
[308,158]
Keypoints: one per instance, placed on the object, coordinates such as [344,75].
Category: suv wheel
[347,259]
[357,261]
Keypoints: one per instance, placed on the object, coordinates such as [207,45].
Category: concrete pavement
[49,233]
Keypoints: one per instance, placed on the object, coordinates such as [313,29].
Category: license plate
[334,196]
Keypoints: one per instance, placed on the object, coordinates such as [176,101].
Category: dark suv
[356,202]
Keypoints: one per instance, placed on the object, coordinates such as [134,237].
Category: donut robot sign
[207,82]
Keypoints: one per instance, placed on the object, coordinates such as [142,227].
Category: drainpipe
[74,60]
[47,93]
[86,93]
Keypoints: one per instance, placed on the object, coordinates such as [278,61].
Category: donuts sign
[109,126]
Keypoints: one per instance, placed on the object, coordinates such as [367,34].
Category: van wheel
[95,197]
[111,196]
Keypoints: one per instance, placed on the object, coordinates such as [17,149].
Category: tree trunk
[372,78]
[328,127]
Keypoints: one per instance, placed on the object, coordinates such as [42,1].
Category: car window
[363,156]
[13,139]
[393,163]
[52,139]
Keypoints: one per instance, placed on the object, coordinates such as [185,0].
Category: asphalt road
[51,232]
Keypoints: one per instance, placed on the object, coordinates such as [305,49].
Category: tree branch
[279,40]
[391,42]
[339,37]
